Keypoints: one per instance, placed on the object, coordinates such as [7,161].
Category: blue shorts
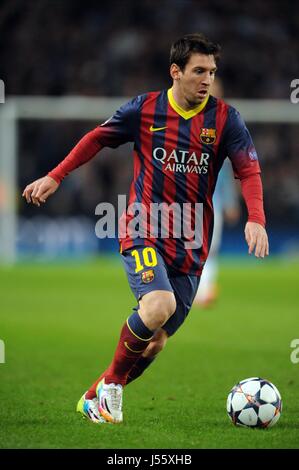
[147,271]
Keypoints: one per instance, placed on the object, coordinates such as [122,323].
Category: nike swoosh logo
[132,350]
[155,129]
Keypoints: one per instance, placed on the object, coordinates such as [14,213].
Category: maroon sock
[138,368]
[130,347]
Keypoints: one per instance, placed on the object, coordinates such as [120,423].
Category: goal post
[8,182]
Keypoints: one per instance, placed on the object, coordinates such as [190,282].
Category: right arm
[116,131]
[38,191]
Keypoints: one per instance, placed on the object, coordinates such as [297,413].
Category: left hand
[256,237]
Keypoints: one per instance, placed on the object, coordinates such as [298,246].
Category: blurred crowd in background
[121,48]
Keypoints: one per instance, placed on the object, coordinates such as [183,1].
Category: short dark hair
[182,48]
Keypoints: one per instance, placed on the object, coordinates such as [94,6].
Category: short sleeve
[122,126]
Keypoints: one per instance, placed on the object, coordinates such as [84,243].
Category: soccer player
[181,137]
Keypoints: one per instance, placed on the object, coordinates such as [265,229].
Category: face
[194,82]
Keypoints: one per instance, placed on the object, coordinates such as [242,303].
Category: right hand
[39,191]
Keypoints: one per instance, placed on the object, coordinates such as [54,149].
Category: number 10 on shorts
[146,258]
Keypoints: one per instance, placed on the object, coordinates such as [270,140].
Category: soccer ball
[255,403]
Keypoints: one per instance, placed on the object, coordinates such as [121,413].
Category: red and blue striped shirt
[177,157]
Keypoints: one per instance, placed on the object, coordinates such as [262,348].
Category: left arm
[255,233]
[243,156]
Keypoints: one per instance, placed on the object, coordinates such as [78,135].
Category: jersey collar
[185,114]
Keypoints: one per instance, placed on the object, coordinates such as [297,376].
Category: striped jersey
[177,157]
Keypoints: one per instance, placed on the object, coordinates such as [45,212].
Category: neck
[181,100]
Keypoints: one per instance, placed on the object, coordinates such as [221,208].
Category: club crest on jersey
[207,136]
[148,276]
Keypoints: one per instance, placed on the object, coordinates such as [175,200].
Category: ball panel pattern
[248,417]
[238,401]
[254,402]
[268,394]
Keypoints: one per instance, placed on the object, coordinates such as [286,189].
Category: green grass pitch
[61,323]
